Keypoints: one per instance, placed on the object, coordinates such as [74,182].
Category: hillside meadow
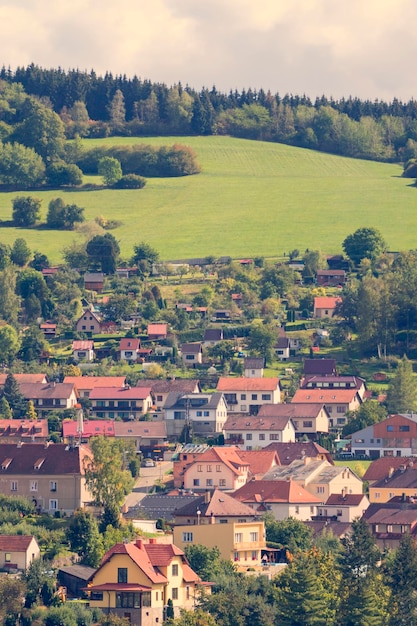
[251,199]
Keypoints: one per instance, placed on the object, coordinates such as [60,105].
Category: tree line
[96,106]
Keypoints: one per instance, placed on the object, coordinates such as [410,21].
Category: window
[307,424]
[297,510]
[175,570]
[196,482]
[222,482]
[175,593]
[13,485]
[243,408]
[273,437]
[206,413]
[187,592]
[243,396]
[53,505]
[266,396]
[122,574]
[189,357]
[209,468]
[254,396]
[53,485]
[320,489]
[339,512]
[404,429]
[238,537]
[199,468]
[262,437]
[218,468]
[34,485]
[254,555]
[187,537]
[209,482]
[236,556]
[8,557]
[254,536]
[96,595]
[159,398]
[377,495]
[127,600]
[199,413]
[341,409]
[248,437]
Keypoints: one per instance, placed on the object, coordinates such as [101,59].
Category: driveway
[148,477]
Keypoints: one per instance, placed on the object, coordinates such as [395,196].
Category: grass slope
[252,198]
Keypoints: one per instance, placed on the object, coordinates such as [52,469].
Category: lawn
[252,198]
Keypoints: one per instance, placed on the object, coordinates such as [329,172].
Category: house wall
[83,355]
[308,425]
[258,439]
[104,409]
[345,481]
[322,313]
[71,491]
[88,324]
[246,399]
[343,513]
[189,360]
[21,560]
[383,494]
[210,474]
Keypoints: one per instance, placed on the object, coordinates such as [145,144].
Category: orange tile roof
[15,543]
[227,383]
[90,382]
[278,491]
[260,461]
[325,396]
[229,455]
[25,378]
[326,302]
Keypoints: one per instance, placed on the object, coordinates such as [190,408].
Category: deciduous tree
[26,210]
[364,243]
[110,169]
[402,391]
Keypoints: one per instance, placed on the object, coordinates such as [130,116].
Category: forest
[97,106]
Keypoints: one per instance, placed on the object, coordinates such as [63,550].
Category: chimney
[139,544]
[212,518]
[207,497]
[390,472]
[153,540]
[344,493]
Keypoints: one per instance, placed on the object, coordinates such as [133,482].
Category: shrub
[130,181]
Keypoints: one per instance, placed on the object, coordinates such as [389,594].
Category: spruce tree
[403,582]
[11,393]
[402,392]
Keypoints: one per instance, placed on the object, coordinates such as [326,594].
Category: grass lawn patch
[252,198]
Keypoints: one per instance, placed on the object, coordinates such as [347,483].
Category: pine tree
[403,579]
[365,606]
[360,553]
[11,392]
[402,392]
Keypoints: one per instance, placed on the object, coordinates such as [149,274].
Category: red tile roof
[90,382]
[57,459]
[120,393]
[380,468]
[289,411]
[82,344]
[25,378]
[326,302]
[278,491]
[156,430]
[350,499]
[24,428]
[229,455]
[128,343]
[139,556]
[289,452]
[15,543]
[182,385]
[32,391]
[227,383]
[157,329]
[260,461]
[220,504]
[91,428]
[325,396]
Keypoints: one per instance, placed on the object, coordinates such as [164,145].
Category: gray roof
[181,385]
[191,348]
[193,400]
[160,506]
[254,363]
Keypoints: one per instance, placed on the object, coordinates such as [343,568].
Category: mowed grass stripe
[252,198]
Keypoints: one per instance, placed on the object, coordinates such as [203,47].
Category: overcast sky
[364,48]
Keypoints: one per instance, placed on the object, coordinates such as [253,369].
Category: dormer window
[6,464]
[38,464]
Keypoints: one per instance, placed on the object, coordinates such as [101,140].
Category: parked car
[148,463]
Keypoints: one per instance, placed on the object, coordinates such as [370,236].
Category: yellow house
[136,580]
[240,542]
[400,482]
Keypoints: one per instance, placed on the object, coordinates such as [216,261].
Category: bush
[130,181]
[62,174]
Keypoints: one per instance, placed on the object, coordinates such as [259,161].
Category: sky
[363,48]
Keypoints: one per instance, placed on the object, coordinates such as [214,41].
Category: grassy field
[252,198]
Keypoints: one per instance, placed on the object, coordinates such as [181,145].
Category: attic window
[38,464]
[6,464]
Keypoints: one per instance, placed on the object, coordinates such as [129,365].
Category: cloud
[336,47]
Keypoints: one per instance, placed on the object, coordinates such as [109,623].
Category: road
[148,477]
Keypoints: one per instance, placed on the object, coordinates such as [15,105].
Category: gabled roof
[274,491]
[57,459]
[191,348]
[25,378]
[229,455]
[380,468]
[37,391]
[338,529]
[325,367]
[239,423]
[343,381]
[160,506]
[82,345]
[157,329]
[213,334]
[292,410]
[193,400]
[180,385]
[129,343]
[227,383]
[120,393]
[139,556]
[350,499]
[289,452]
[260,461]
[144,430]
[282,343]
[91,428]
[322,471]
[15,543]
[24,428]
[326,302]
[217,504]
[93,277]
[254,363]
[92,313]
[85,383]
[325,396]
[405,477]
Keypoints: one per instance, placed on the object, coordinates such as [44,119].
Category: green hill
[251,199]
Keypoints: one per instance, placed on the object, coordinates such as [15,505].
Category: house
[338,402]
[395,436]
[94,281]
[334,382]
[253,432]
[253,367]
[157,332]
[126,402]
[219,466]
[260,461]
[183,457]
[192,354]
[83,350]
[319,478]
[15,431]
[242,543]
[72,432]
[307,419]
[344,507]
[146,436]
[284,498]
[161,388]
[390,521]
[17,552]
[398,482]
[319,367]
[156,506]
[384,466]
[89,323]
[222,315]
[247,395]
[48,329]
[212,336]
[214,507]
[50,475]
[48,397]
[85,384]
[136,581]
[206,413]
[282,348]
[75,578]
[330,278]
[325,306]
[289,452]
[129,349]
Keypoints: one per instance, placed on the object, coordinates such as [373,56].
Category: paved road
[148,477]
